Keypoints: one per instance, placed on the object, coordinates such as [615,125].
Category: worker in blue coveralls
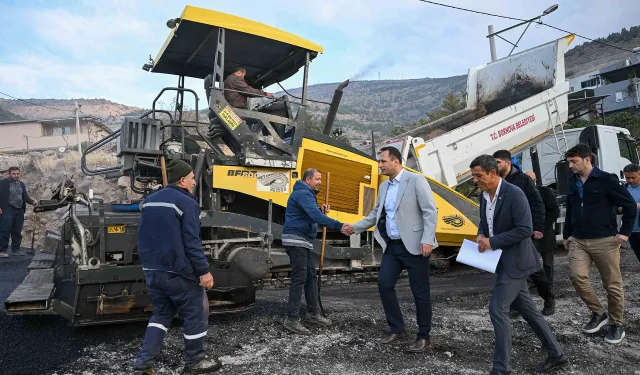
[176,270]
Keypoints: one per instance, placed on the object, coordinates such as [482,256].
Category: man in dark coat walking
[13,204]
[513,175]
[547,244]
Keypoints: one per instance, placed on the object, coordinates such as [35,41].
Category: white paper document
[471,256]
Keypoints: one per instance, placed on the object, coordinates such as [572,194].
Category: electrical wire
[472,11]
[589,39]
[523,20]
[36,104]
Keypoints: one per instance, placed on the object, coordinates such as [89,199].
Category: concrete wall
[12,138]
[612,103]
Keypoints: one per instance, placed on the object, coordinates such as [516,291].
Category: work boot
[295,326]
[145,371]
[597,321]
[205,366]
[549,307]
[318,319]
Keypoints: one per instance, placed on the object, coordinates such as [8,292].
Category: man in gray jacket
[405,217]
[506,224]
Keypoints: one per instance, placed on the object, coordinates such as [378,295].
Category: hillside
[378,105]
[110,112]
[381,105]
[8,116]
[590,56]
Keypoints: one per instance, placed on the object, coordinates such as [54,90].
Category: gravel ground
[254,342]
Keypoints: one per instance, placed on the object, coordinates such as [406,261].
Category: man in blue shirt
[632,175]
[176,271]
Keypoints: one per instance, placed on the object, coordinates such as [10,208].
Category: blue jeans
[171,293]
[303,276]
[11,222]
[395,259]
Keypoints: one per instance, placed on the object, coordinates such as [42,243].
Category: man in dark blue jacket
[301,227]
[176,270]
[13,200]
[591,235]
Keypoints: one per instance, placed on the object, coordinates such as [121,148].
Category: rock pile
[43,172]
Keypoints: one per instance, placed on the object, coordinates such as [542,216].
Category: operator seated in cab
[236,89]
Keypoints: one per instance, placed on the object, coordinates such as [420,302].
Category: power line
[36,104]
[520,19]
[589,39]
[472,11]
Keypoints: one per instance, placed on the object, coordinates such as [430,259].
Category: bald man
[547,244]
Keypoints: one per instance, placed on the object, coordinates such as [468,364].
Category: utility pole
[78,127]
[492,44]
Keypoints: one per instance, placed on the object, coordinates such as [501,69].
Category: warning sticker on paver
[230,117]
[275,182]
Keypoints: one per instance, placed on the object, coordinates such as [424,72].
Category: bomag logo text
[453,220]
[241,173]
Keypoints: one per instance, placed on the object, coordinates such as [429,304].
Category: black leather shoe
[549,307]
[419,346]
[552,363]
[392,337]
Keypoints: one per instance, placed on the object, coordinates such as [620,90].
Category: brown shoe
[392,337]
[419,346]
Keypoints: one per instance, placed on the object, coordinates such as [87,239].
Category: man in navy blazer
[505,223]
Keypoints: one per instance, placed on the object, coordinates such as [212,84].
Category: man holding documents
[405,217]
[506,224]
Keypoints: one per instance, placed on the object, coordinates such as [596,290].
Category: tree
[450,104]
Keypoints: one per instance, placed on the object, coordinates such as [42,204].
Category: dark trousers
[171,293]
[395,259]
[634,241]
[547,265]
[11,222]
[303,277]
[515,293]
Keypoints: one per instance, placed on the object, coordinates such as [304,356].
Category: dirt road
[254,342]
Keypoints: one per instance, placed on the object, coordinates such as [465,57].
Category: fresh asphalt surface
[47,345]
[254,342]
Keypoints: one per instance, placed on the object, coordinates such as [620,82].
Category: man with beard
[405,219]
[513,175]
[591,235]
[300,228]
[505,223]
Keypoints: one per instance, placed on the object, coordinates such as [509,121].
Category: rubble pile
[43,172]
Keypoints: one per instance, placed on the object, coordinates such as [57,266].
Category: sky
[96,49]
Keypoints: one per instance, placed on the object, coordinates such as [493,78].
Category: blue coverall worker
[176,270]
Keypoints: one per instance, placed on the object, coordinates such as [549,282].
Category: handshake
[347,229]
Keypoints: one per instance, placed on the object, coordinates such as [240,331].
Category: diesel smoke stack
[333,108]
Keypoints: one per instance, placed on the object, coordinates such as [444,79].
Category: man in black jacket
[547,244]
[591,235]
[513,175]
[13,200]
